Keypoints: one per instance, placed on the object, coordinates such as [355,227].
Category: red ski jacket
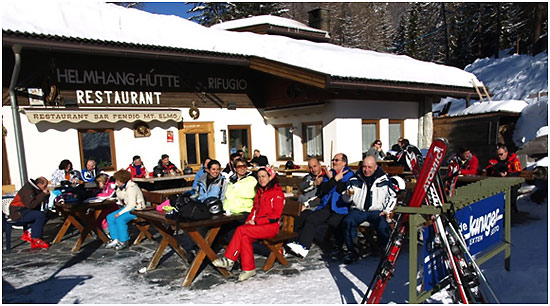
[511,165]
[470,166]
[268,205]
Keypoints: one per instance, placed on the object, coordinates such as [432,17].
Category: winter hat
[163,156]
[269,171]
[135,157]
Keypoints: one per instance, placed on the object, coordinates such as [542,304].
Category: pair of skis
[464,274]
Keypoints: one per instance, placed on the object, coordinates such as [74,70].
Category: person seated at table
[106,188]
[259,160]
[331,211]
[376,150]
[202,170]
[406,149]
[229,169]
[165,167]
[90,172]
[25,208]
[131,197]
[262,223]
[239,197]
[393,153]
[504,164]
[211,183]
[464,162]
[309,196]
[372,199]
[137,168]
[65,172]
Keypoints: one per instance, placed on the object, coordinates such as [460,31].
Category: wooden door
[196,143]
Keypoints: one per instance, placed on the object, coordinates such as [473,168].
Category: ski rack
[464,196]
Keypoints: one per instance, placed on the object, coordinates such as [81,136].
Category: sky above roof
[168,8]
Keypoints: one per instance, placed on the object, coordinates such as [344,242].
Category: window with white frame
[396,130]
[312,138]
[283,139]
[370,132]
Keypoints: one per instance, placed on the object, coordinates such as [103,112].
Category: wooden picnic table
[167,228]
[83,216]
[164,182]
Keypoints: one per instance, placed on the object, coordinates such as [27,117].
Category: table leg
[89,221]
[204,250]
[97,230]
[69,219]
[83,233]
[167,239]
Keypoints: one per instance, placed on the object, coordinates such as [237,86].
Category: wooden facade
[480,132]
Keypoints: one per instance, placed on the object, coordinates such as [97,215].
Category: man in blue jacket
[331,210]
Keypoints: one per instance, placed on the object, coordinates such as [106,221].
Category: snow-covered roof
[267,19]
[512,106]
[112,23]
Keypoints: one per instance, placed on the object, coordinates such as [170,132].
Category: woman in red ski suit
[262,223]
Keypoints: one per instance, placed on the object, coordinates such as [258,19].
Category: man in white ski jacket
[373,199]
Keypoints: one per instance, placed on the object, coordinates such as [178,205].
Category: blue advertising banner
[434,266]
[481,224]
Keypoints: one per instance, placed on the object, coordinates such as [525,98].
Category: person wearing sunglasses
[331,211]
[376,150]
[239,198]
[504,164]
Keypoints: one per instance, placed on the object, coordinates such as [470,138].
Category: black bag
[187,209]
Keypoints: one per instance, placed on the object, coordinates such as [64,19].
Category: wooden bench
[393,170]
[291,210]
[289,183]
[153,199]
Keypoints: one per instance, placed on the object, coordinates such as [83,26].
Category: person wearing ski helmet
[372,198]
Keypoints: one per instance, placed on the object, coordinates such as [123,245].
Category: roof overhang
[404,87]
[294,110]
[322,80]
[87,46]
[57,115]
[298,74]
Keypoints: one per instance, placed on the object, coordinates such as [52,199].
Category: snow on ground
[115,280]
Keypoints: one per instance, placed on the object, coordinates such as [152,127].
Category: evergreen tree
[210,13]
[400,39]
